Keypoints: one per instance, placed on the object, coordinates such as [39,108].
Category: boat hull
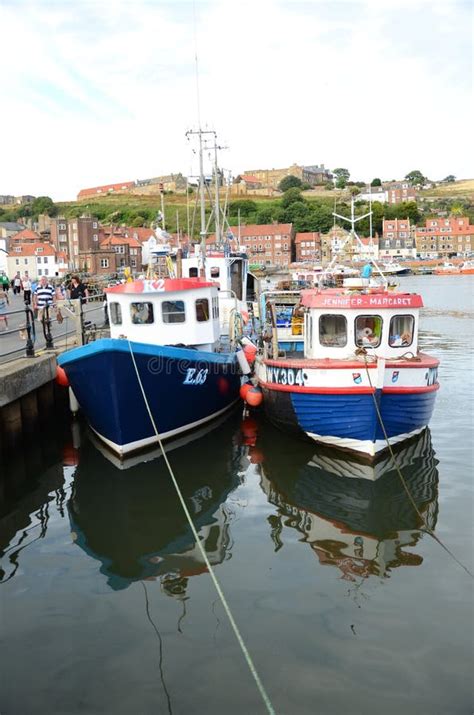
[338,407]
[185,389]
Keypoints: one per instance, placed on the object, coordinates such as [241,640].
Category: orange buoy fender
[254,397]
[61,377]
[250,352]
[244,389]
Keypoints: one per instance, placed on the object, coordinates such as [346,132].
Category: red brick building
[308,247]
[106,189]
[399,192]
[267,244]
[442,237]
[397,239]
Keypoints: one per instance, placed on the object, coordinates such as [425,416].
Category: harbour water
[345,604]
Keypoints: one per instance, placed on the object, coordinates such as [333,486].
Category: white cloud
[101,92]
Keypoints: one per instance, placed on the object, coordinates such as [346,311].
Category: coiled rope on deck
[218,588]
[426,528]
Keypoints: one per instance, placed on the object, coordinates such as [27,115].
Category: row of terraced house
[82,244]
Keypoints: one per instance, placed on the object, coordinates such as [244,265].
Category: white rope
[225,605]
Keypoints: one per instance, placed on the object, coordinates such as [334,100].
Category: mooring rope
[426,528]
[218,588]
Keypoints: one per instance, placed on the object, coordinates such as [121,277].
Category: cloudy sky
[103,91]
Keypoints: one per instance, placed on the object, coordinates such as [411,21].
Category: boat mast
[217,207]
[353,234]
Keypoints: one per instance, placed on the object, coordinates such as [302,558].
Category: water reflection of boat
[133,522]
[360,526]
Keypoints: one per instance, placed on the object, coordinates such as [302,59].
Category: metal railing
[22,338]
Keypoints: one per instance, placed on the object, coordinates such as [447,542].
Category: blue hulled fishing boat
[361,383]
[165,334]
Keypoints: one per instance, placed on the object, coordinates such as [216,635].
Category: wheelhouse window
[368,330]
[141,313]
[115,310]
[333,331]
[401,331]
[202,310]
[193,272]
[173,311]
[215,271]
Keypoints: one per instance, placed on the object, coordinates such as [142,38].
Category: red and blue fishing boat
[361,383]
[164,334]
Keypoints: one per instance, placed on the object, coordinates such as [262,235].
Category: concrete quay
[29,398]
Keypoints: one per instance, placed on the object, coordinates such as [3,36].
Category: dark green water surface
[345,605]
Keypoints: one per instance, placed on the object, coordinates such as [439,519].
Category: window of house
[115,310]
[368,330]
[173,311]
[25,261]
[17,261]
[141,313]
[94,225]
[45,259]
[401,331]
[39,250]
[104,262]
[46,272]
[333,331]
[193,272]
[202,310]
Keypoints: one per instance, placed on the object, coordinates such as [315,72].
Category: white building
[36,259]
[3,256]
[373,193]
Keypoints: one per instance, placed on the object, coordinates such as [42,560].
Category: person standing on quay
[4,282]
[16,283]
[78,290]
[26,288]
[44,296]
[4,302]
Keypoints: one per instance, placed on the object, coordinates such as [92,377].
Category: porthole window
[368,331]
[202,310]
[141,313]
[115,310]
[173,311]
[401,331]
[333,331]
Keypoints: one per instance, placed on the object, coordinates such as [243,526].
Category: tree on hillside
[416,178]
[290,182]
[265,215]
[449,179]
[245,206]
[43,205]
[354,190]
[376,182]
[290,196]
[341,176]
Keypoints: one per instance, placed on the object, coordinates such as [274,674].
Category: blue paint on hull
[350,416]
[104,381]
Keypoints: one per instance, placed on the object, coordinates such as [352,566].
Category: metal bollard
[30,331]
[46,320]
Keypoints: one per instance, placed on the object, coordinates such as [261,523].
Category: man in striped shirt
[44,295]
